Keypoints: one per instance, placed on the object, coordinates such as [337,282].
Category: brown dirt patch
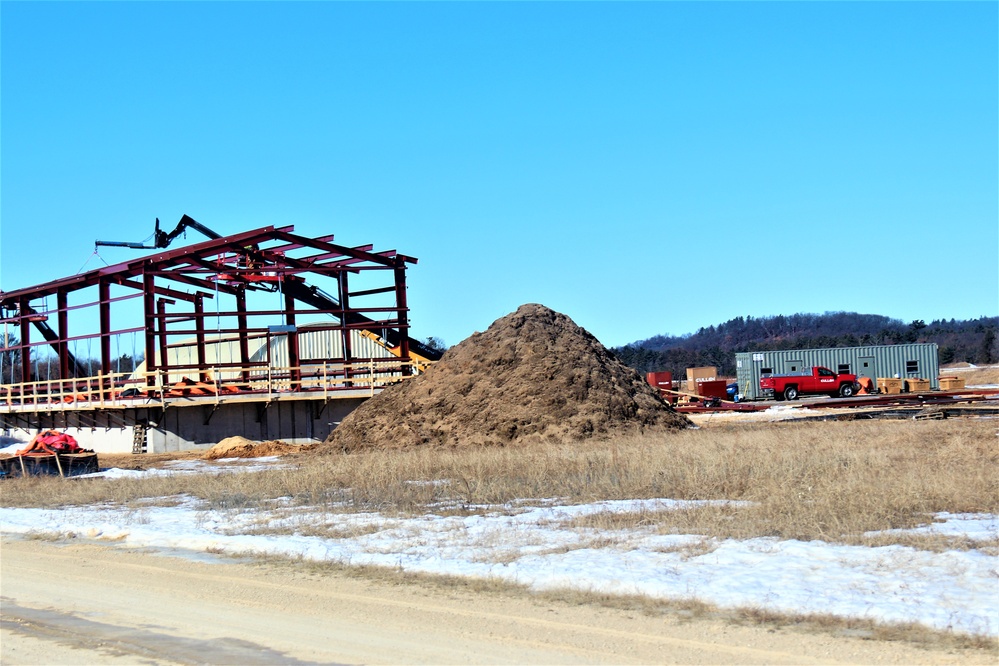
[534,375]
[241,447]
[142,461]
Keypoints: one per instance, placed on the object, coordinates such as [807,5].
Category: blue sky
[645,168]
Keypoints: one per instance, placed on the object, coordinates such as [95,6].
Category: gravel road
[81,603]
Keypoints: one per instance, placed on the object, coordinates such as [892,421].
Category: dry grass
[979,376]
[831,481]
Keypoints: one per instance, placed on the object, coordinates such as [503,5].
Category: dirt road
[83,604]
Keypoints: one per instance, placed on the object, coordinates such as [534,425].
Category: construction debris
[533,376]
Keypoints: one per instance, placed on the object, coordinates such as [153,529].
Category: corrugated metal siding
[216,351]
[889,360]
[319,345]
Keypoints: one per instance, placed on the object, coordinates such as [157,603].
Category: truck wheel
[791,393]
[846,390]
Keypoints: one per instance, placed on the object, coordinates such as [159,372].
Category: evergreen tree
[988,351]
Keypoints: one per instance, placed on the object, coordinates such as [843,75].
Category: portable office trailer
[909,360]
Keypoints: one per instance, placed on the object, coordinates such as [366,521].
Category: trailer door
[865,368]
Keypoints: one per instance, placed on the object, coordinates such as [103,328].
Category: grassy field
[978,376]
[832,480]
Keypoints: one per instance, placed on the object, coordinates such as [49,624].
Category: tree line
[972,341]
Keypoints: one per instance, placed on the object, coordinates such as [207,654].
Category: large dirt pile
[533,375]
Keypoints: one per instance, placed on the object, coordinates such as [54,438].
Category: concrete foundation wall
[103,432]
[294,422]
[112,440]
[184,428]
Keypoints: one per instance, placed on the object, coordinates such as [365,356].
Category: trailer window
[843,369]
[766,371]
[911,367]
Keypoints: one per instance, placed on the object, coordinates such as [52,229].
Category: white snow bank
[534,545]
[12,449]
[220,466]
[973,526]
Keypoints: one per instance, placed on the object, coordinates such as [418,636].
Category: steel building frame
[174,285]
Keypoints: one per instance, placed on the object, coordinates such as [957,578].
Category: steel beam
[149,316]
[104,288]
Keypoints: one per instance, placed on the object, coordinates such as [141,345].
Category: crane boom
[162,239]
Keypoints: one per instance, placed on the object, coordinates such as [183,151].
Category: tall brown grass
[979,376]
[831,480]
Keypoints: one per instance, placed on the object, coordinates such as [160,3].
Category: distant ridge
[972,340]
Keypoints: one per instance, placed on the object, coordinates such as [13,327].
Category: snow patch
[532,543]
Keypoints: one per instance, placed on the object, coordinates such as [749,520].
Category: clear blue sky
[644,168]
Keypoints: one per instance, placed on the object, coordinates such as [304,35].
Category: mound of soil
[533,375]
[241,447]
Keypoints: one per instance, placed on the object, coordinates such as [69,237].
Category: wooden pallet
[62,464]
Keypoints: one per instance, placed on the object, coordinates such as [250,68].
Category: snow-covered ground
[773,413]
[534,543]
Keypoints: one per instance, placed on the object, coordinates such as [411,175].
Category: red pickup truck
[819,380]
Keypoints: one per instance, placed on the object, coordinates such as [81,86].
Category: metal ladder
[138,438]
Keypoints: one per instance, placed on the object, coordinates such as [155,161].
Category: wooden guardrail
[158,387]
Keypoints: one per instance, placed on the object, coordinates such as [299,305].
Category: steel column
[104,289]
[402,316]
[62,317]
[199,327]
[23,307]
[293,358]
[348,352]
[161,317]
[244,344]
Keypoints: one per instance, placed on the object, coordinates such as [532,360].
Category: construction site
[281,411]
[272,336]
[264,333]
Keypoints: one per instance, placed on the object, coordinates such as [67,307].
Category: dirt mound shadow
[533,375]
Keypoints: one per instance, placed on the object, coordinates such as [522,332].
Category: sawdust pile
[241,447]
[534,375]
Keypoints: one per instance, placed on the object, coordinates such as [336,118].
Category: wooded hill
[972,341]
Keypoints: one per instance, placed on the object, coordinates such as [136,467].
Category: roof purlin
[136,267]
[375,258]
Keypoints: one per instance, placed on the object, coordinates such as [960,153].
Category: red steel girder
[155,278]
[136,267]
